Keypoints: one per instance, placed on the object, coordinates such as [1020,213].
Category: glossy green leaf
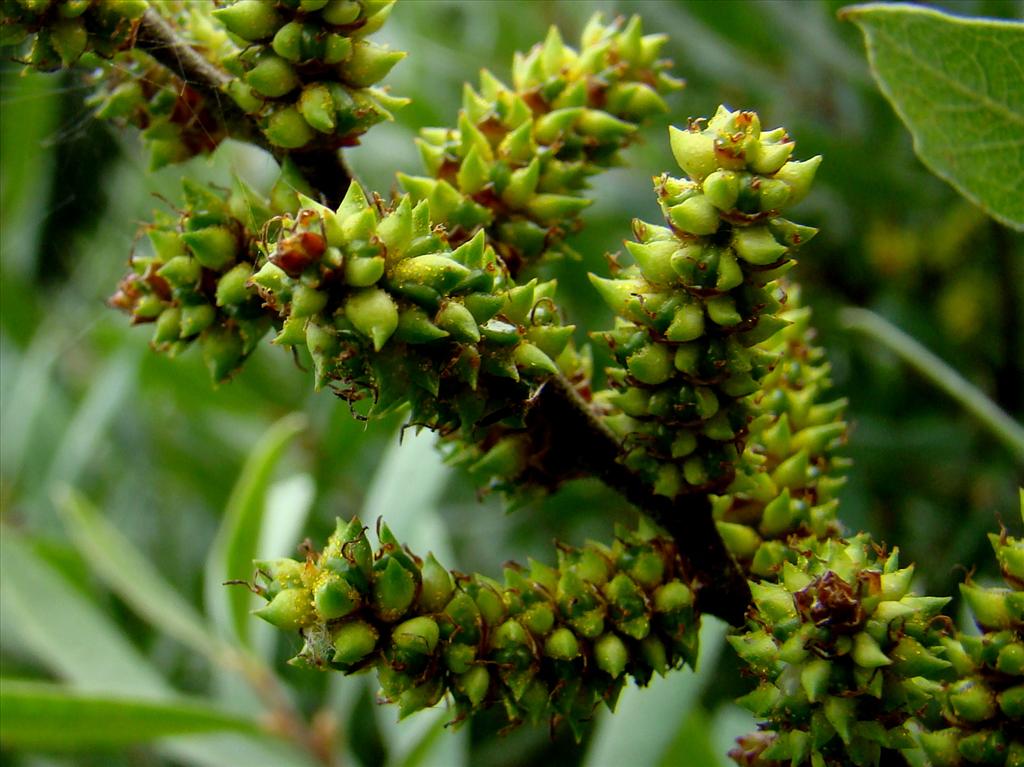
[957,84]
[237,542]
[53,717]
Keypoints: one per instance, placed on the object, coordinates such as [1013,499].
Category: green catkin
[195,283]
[853,668]
[703,294]
[979,716]
[306,72]
[787,478]
[52,34]
[550,643]
[176,121]
[844,653]
[390,312]
[520,157]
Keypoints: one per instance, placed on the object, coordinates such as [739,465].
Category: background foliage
[181,471]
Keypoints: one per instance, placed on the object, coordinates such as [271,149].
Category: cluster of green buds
[306,70]
[56,33]
[176,121]
[980,716]
[520,156]
[702,296]
[845,656]
[195,283]
[551,643]
[388,309]
[787,478]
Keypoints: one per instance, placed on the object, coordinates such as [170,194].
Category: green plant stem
[326,171]
[970,397]
[576,443]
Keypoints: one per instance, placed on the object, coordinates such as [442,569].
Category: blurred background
[177,466]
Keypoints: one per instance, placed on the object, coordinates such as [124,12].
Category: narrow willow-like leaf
[236,545]
[69,636]
[957,84]
[66,632]
[53,717]
[999,423]
[128,573]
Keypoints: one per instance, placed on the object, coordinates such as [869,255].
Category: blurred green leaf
[956,83]
[104,399]
[125,570]
[405,492]
[73,639]
[934,369]
[65,632]
[52,717]
[236,544]
[693,742]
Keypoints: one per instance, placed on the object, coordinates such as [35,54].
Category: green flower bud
[457,320]
[317,107]
[168,326]
[368,64]
[474,684]
[1011,700]
[419,635]
[273,76]
[531,361]
[290,610]
[288,129]
[374,314]
[694,152]
[611,655]
[757,246]
[696,216]
[252,20]
[195,318]
[972,701]
[562,645]
[988,606]
[799,176]
[353,642]
[393,590]
[334,597]
[341,12]
[437,586]
[232,288]
[214,247]
[223,349]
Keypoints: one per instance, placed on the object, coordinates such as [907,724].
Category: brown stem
[323,168]
[578,440]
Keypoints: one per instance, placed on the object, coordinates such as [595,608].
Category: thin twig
[324,169]
[583,440]
[935,370]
